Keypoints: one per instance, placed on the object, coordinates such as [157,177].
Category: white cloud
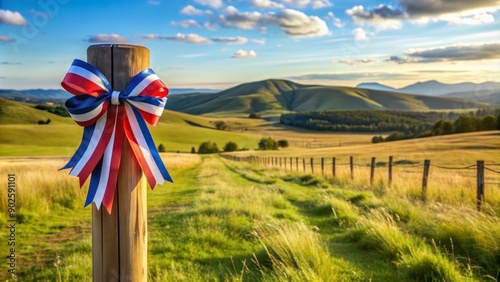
[244,54]
[470,20]
[336,21]
[266,4]
[210,3]
[107,38]
[259,41]
[6,39]
[192,11]
[231,40]
[294,23]
[458,52]
[190,38]
[315,4]
[383,17]
[186,23]
[12,18]
[360,34]
[210,25]
[356,62]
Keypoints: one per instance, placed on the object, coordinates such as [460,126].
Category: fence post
[304,164]
[280,162]
[323,167]
[119,239]
[351,163]
[291,164]
[372,171]
[297,164]
[390,171]
[284,160]
[480,184]
[312,165]
[427,164]
[333,166]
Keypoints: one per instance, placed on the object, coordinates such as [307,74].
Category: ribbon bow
[107,116]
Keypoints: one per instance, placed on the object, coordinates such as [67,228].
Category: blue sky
[221,43]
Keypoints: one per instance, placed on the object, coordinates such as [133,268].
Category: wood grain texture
[119,239]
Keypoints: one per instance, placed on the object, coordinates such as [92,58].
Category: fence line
[479,168]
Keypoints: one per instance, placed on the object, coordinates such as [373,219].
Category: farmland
[224,220]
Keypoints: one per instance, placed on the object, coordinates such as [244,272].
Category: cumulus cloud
[421,8]
[244,54]
[356,62]
[459,52]
[6,39]
[231,40]
[402,60]
[192,11]
[315,4]
[259,41]
[12,18]
[266,4]
[470,20]
[186,23]
[382,17]
[210,3]
[107,38]
[336,21]
[360,34]
[294,23]
[189,38]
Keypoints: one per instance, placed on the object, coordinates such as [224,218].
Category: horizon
[218,44]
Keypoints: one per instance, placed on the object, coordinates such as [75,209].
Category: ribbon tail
[144,148]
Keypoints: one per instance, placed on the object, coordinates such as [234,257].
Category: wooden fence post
[480,184]
[312,165]
[304,164]
[333,167]
[284,160]
[372,171]
[351,164]
[119,239]
[297,164]
[280,162]
[390,171]
[323,167]
[291,164]
[427,164]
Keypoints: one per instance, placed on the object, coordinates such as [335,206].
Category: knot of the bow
[115,97]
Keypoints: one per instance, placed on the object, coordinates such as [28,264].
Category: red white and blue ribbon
[108,117]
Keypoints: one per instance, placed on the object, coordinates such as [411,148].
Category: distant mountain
[436,88]
[175,91]
[375,86]
[35,95]
[275,95]
[484,96]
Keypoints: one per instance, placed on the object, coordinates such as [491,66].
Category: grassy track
[227,221]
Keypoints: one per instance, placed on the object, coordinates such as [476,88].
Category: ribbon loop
[108,116]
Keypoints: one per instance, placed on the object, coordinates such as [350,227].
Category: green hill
[274,95]
[22,113]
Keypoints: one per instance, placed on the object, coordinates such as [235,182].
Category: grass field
[230,221]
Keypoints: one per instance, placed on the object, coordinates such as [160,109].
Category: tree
[465,123]
[255,115]
[438,128]
[220,125]
[230,147]
[193,150]
[161,148]
[377,139]
[268,143]
[208,148]
[487,123]
[283,143]
[448,127]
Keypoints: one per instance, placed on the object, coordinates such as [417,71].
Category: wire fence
[330,167]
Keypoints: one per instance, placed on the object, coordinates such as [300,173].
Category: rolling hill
[275,96]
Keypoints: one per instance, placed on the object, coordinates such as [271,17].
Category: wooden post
[280,162]
[312,165]
[372,171]
[351,164]
[427,164]
[297,164]
[284,160]
[390,171]
[291,164]
[119,239]
[323,167]
[304,164]
[333,167]
[480,184]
